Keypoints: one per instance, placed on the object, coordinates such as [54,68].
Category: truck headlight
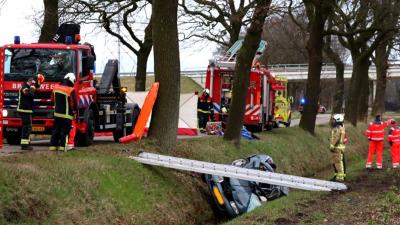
[5,113]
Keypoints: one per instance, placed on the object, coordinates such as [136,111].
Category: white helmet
[206,91]
[70,77]
[338,118]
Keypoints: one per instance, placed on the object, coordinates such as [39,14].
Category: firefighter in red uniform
[376,135]
[25,108]
[394,141]
[64,109]
[204,109]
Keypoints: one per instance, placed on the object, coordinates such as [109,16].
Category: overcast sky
[16,19]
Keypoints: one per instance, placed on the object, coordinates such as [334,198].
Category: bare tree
[242,71]
[164,122]
[219,21]
[286,41]
[337,58]
[382,52]
[118,18]
[50,22]
[317,13]
[360,31]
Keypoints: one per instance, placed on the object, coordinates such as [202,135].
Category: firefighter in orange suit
[376,135]
[204,109]
[25,108]
[394,141]
[64,110]
[337,146]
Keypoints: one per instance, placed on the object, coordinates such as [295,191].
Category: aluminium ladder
[238,172]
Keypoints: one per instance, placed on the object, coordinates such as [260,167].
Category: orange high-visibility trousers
[395,152]
[71,139]
[375,147]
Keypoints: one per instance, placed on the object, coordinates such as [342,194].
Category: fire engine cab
[101,108]
[261,93]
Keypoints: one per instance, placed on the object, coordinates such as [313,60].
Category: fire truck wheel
[117,134]
[86,139]
[13,138]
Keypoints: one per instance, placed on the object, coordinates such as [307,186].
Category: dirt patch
[366,202]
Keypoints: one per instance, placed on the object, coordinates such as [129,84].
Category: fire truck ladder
[238,172]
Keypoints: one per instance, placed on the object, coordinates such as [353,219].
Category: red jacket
[394,134]
[376,131]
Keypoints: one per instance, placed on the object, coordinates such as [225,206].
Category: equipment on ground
[101,108]
[261,94]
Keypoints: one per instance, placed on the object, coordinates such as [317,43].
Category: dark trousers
[203,119]
[26,127]
[59,137]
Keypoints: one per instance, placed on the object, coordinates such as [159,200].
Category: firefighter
[25,108]
[64,110]
[376,135]
[337,146]
[394,141]
[204,109]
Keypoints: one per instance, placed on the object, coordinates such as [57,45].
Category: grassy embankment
[100,185]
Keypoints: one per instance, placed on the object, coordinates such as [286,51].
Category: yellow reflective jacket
[337,138]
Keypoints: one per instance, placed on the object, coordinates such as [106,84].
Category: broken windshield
[54,64]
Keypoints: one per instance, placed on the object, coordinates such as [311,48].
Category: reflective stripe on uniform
[376,139]
[24,110]
[24,141]
[377,132]
[63,116]
[52,148]
[203,111]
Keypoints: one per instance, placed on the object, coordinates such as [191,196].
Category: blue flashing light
[302,100]
[68,40]
[17,39]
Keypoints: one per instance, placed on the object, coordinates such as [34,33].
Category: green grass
[101,185]
[187,84]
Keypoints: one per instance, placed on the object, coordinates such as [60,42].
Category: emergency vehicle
[283,113]
[261,93]
[100,108]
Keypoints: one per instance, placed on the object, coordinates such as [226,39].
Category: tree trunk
[142,58]
[164,122]
[236,25]
[339,85]
[381,62]
[242,72]
[357,102]
[50,22]
[314,49]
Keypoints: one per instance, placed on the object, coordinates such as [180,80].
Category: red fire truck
[101,108]
[260,106]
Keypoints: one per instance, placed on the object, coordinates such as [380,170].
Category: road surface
[321,119]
